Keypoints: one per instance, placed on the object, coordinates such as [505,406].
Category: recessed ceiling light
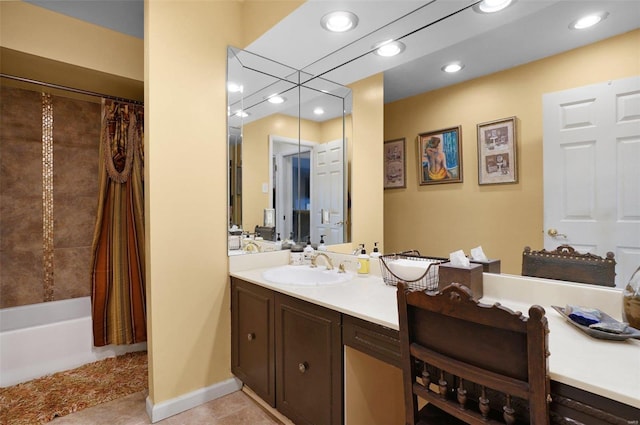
[491,6]
[276,99]
[389,48]
[240,113]
[339,21]
[452,67]
[234,88]
[318,111]
[588,20]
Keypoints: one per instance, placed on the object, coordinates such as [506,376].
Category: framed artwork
[497,160]
[440,156]
[395,164]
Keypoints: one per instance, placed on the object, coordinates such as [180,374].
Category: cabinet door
[252,343]
[308,362]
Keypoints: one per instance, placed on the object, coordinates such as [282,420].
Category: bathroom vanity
[288,345]
[288,351]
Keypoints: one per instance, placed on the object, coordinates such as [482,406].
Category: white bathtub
[40,339]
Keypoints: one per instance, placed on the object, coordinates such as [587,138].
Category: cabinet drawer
[378,341]
[571,405]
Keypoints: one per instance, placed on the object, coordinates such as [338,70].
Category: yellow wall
[37,31]
[188,292]
[367,200]
[373,390]
[188,297]
[439,219]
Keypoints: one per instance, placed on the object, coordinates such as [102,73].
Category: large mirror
[287,140]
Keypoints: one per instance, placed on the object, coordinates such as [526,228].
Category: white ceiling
[434,31]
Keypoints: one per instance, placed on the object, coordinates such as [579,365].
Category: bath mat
[41,400]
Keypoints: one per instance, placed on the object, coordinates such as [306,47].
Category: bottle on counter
[296,257]
[363,262]
[288,243]
[308,252]
[278,243]
[376,253]
[322,246]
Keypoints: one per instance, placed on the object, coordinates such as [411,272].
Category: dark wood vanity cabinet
[289,352]
[252,338]
[308,362]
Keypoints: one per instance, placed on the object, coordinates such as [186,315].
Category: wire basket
[427,281]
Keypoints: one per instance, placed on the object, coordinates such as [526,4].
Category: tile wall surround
[40,199]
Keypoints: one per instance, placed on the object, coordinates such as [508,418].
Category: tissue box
[489,266]
[470,277]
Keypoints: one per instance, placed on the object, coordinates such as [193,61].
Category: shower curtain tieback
[118,280]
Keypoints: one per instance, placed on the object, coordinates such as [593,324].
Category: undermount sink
[305,276]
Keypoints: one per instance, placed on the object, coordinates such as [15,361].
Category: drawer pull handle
[302,367]
[251,336]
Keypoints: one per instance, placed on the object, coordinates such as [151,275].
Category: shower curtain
[118,272]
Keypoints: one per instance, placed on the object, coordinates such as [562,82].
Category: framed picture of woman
[440,156]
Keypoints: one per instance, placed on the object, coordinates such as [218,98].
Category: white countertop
[367,298]
[608,368]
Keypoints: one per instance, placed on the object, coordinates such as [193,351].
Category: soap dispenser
[322,246]
[296,256]
[288,243]
[363,262]
[308,252]
[375,253]
[278,243]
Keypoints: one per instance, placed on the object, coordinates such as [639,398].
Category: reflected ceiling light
[452,67]
[491,6]
[234,88]
[588,20]
[318,111]
[276,99]
[389,48]
[240,113]
[339,21]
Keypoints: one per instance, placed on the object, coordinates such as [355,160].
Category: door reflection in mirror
[305,180]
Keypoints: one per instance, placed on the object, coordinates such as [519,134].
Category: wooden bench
[564,263]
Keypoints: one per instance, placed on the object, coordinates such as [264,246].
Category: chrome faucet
[314,260]
[251,246]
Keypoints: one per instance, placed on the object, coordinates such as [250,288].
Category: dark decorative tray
[629,332]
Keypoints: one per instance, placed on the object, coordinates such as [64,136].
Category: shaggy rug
[43,399]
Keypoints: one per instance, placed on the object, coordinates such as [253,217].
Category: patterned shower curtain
[118,271]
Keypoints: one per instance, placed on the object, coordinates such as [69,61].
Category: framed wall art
[497,160]
[440,156]
[395,165]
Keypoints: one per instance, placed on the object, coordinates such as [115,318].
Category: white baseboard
[160,411]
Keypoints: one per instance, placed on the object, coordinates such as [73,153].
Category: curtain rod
[71,89]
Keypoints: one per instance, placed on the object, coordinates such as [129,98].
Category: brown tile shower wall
[76,134]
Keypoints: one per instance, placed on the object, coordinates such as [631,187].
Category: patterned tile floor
[234,409]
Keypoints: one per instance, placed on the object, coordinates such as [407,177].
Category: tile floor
[234,409]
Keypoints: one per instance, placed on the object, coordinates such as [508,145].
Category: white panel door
[592,171]
[327,215]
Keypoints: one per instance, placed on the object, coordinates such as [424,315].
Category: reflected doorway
[291,188]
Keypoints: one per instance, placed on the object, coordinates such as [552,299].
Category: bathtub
[40,339]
